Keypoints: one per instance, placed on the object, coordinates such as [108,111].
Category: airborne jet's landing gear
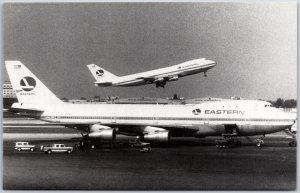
[160,84]
[205,75]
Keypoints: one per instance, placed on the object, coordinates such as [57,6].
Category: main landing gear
[86,143]
[229,140]
[160,84]
[232,140]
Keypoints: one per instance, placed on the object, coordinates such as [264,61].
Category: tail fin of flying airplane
[30,91]
[100,74]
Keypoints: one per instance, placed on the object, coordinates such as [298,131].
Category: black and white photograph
[149,96]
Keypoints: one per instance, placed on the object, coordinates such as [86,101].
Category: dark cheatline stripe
[166,118]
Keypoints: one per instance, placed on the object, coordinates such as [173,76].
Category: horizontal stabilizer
[26,112]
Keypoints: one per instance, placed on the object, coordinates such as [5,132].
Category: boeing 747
[150,122]
[159,77]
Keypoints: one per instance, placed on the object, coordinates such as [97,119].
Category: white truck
[24,146]
[56,148]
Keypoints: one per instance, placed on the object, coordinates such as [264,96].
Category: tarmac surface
[184,164]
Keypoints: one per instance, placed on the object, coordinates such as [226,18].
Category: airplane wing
[147,79]
[160,78]
[26,112]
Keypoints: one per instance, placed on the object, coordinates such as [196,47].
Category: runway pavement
[184,164]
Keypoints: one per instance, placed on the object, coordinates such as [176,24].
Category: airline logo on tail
[99,72]
[27,83]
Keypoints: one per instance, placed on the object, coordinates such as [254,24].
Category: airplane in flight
[159,77]
[154,123]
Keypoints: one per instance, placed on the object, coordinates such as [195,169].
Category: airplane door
[113,118]
[206,120]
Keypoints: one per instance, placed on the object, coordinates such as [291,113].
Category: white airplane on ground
[159,77]
[151,122]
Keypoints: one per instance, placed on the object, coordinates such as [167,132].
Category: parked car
[56,148]
[24,146]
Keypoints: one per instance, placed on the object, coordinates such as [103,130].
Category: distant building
[9,95]
[203,100]
[8,92]
[77,101]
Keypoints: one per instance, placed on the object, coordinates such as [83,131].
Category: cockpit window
[269,105]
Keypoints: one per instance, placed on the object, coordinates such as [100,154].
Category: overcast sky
[255,46]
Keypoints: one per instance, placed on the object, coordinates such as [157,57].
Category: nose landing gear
[292,143]
[260,142]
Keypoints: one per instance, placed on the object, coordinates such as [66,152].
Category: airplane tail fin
[100,74]
[30,91]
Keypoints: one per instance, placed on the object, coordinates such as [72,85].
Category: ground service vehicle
[56,148]
[24,146]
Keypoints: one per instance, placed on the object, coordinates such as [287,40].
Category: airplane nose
[212,63]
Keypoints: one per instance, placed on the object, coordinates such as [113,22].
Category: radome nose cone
[213,63]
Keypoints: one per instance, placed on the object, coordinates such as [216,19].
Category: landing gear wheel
[160,84]
[259,144]
[49,152]
[69,151]
[293,143]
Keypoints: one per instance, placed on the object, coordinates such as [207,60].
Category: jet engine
[102,132]
[155,134]
[173,78]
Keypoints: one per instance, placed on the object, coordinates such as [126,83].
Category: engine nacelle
[156,134]
[160,79]
[102,132]
[174,78]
